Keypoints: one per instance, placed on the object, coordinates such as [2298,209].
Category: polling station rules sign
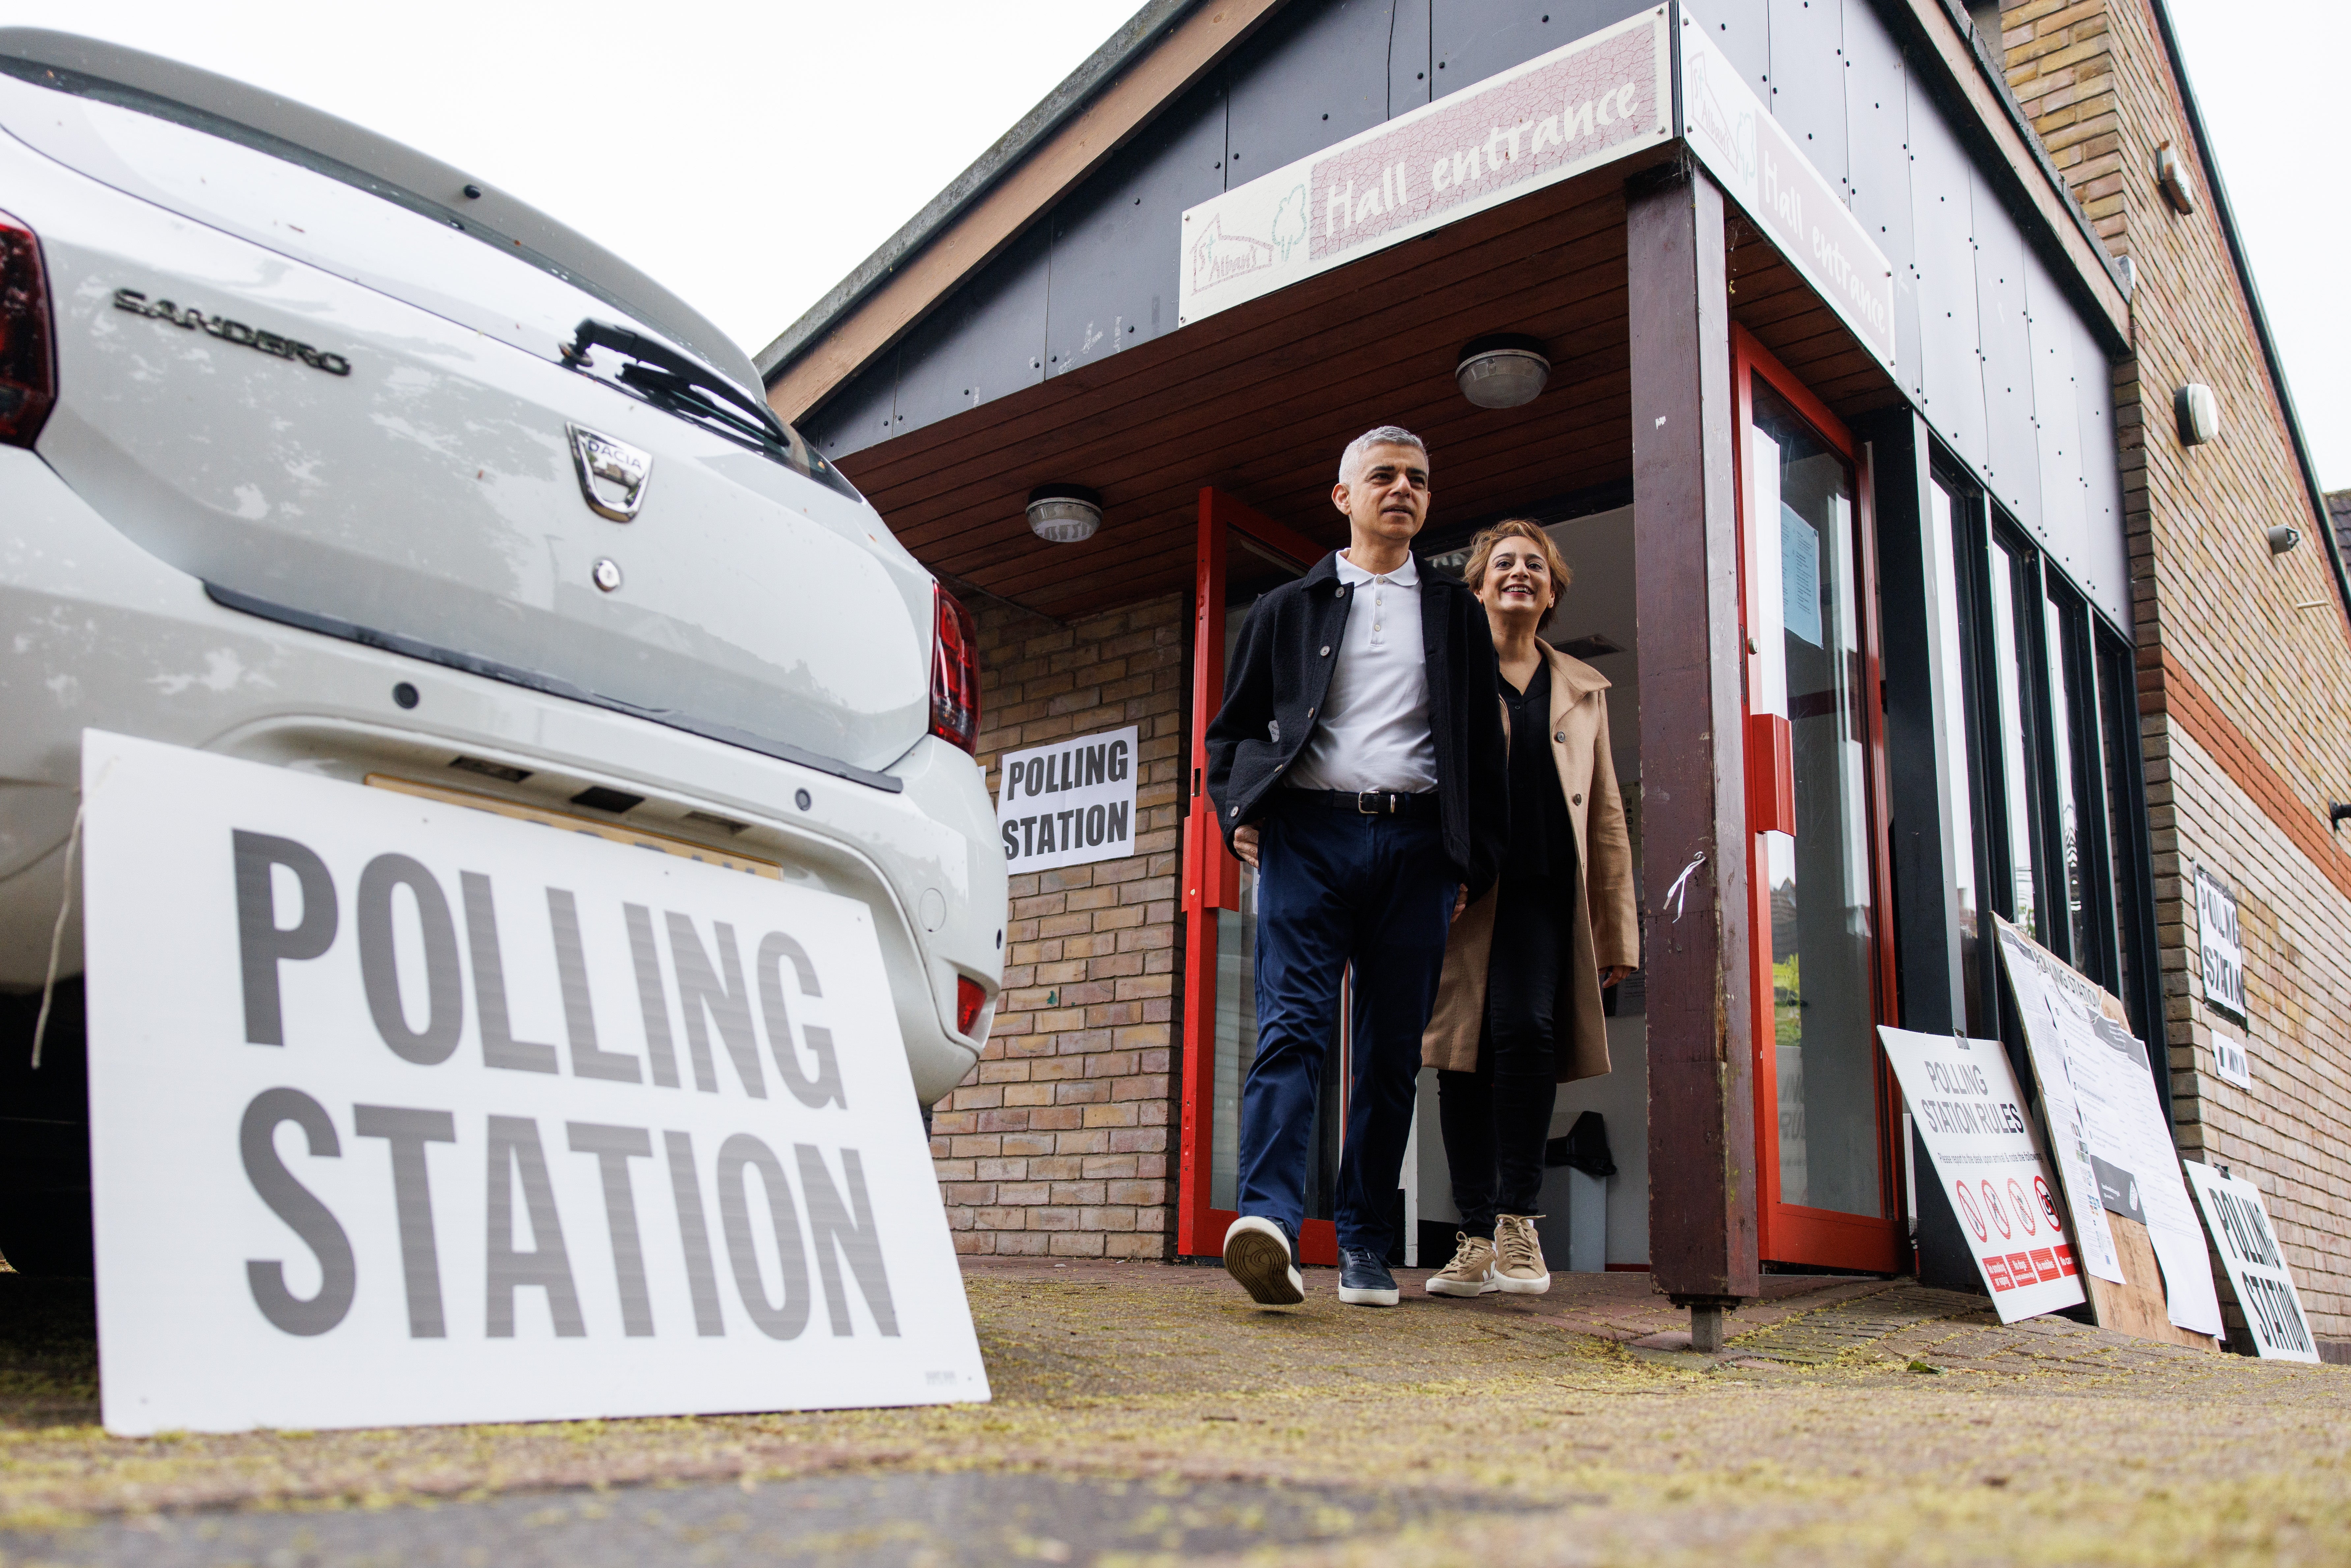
[402,1112]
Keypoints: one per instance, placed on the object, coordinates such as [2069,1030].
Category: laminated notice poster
[1970,1112]
[2107,1075]
[2248,1246]
[2076,1168]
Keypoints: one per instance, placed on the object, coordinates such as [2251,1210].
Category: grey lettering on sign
[838,1231]
[408,1132]
[578,1014]
[514,1150]
[262,943]
[825,1087]
[445,994]
[614,1147]
[727,1002]
[738,1157]
[299,1208]
[499,1047]
[652,1000]
[693,1234]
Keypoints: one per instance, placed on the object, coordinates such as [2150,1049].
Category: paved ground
[1150,1414]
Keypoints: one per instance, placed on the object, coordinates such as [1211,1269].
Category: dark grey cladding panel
[1473,40]
[860,414]
[1118,241]
[1411,61]
[2012,449]
[1316,74]
[1877,154]
[1950,384]
[987,340]
[1808,82]
[1742,30]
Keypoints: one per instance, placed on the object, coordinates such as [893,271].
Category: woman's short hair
[1482,548]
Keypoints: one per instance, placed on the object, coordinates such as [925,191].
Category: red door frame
[1212,877]
[1787,1232]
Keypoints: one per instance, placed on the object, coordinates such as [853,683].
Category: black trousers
[1497,1119]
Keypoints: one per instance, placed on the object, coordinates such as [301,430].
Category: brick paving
[1149,1413]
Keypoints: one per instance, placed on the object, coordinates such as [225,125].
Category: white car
[318,452]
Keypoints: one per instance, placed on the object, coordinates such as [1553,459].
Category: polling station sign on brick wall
[402,1113]
[1069,803]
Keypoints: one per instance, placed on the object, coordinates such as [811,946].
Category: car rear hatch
[341,408]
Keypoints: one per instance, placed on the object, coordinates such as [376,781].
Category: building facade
[1863,340]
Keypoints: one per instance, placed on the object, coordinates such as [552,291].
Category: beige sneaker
[1519,1261]
[1471,1272]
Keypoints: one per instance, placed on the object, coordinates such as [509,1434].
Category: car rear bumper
[105,635]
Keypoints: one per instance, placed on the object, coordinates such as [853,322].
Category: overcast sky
[750,156]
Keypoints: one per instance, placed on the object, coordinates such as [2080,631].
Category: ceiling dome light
[1503,370]
[1064,514]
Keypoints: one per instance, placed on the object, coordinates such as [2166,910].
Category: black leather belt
[1369,803]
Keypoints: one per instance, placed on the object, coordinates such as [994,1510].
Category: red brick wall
[1059,1141]
[2244,661]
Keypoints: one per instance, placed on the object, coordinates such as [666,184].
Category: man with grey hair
[1358,763]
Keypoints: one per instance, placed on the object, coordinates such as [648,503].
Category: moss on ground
[2033,1443]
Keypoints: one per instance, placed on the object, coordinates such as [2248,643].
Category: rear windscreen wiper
[673,374]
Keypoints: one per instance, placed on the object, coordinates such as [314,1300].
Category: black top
[1281,671]
[1542,839]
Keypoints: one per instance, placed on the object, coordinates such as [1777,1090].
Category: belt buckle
[1374,810]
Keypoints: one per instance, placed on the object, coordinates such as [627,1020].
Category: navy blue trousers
[1335,888]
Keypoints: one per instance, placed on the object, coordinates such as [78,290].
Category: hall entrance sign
[402,1112]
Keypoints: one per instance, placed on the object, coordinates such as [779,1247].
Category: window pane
[1802,582]
[2074,916]
[2009,685]
[2116,731]
[1958,764]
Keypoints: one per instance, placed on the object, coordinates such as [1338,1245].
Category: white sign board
[402,1112]
[2221,956]
[1587,103]
[2241,1234]
[1798,210]
[2077,1168]
[2107,1075]
[1966,1106]
[1069,803]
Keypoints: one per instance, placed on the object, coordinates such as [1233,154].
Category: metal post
[1702,1173]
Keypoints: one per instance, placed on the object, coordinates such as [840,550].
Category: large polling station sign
[1069,803]
[402,1112]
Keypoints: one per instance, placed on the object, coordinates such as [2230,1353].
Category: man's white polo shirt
[1373,731]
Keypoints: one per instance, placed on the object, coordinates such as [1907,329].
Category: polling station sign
[1069,803]
[2248,1245]
[405,1113]
[1970,1112]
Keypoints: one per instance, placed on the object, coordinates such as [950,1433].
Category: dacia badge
[612,474]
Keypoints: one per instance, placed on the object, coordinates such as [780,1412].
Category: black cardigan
[1281,672]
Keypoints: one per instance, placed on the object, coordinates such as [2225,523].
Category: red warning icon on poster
[2048,1206]
[1998,1212]
[2023,1210]
[1968,1208]
[2020,1267]
[2065,1259]
[2045,1264]
[1996,1270]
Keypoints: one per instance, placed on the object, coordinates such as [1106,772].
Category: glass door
[1240,554]
[1822,964]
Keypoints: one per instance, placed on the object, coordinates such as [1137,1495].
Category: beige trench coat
[1606,924]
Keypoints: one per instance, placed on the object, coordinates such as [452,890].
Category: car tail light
[28,371]
[955,674]
[969,1000]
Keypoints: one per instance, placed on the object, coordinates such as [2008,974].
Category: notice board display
[402,1112]
[2081,1054]
[2242,1235]
[1966,1105]
[1069,803]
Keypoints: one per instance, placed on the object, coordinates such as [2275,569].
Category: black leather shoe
[1364,1280]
